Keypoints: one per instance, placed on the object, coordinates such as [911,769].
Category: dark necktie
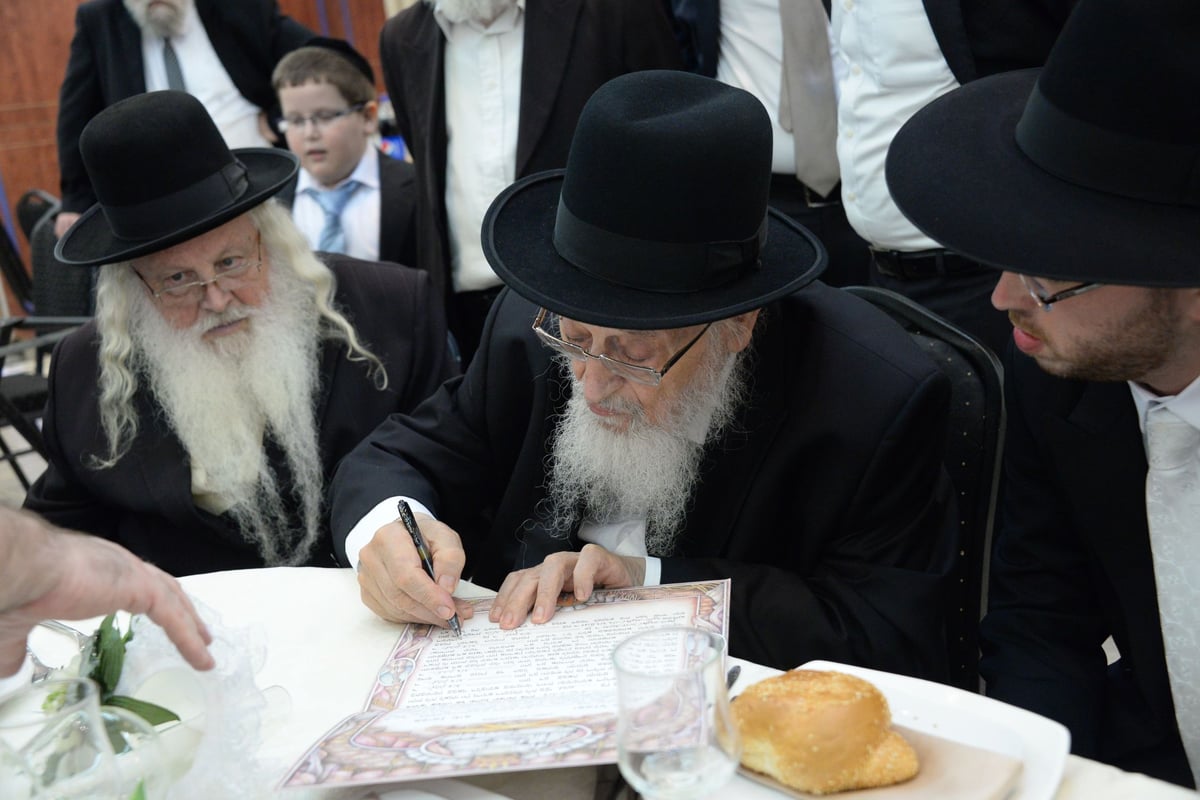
[171,62]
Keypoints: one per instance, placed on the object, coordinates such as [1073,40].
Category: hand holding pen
[410,524]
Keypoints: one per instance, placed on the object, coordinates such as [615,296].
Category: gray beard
[162,21]
[646,471]
[223,398]
[483,12]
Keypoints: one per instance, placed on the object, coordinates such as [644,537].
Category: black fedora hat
[1087,170]
[162,175]
[660,219]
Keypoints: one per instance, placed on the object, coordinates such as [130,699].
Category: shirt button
[848,5]
[855,70]
[851,196]
[848,133]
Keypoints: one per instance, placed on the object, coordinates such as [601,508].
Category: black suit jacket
[826,503]
[397,209]
[144,502]
[1071,566]
[571,47]
[105,65]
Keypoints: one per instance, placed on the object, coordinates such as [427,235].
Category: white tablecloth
[325,647]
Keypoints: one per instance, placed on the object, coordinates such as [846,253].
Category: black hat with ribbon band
[162,175]
[1085,170]
[660,219]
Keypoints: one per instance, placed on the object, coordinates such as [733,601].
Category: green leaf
[140,792]
[154,714]
[110,657]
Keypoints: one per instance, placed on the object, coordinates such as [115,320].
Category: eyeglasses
[321,119]
[186,287]
[1042,295]
[546,326]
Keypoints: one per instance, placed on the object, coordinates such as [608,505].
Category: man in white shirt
[891,58]
[1080,182]
[222,51]
[488,91]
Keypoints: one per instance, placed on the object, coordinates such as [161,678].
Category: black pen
[423,551]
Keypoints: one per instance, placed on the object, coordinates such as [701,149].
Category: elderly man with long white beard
[198,419]
[664,394]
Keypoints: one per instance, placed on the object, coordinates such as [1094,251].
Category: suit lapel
[549,31]
[389,233]
[129,41]
[1104,473]
[946,19]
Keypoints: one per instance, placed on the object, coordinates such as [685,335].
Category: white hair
[119,290]
[165,19]
[647,471]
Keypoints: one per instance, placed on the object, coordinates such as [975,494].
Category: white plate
[1041,744]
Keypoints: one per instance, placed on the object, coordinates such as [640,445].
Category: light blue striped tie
[333,202]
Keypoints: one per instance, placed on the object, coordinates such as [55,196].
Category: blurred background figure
[487,91]
[220,51]
[349,197]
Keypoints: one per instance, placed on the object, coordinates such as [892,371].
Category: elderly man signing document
[663,394]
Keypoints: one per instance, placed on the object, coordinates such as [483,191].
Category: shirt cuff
[382,514]
[653,571]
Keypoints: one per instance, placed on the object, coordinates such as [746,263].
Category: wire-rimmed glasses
[1045,298]
[321,119]
[545,325]
[186,287]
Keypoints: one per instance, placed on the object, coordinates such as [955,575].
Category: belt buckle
[814,200]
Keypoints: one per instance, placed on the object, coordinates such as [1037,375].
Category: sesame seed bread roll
[821,732]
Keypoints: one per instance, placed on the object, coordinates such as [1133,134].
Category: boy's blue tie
[332,202]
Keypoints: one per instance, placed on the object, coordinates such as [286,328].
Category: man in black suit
[519,73]
[689,405]
[1091,207]
[226,50]
[198,419]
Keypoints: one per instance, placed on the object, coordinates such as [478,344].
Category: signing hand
[394,584]
[539,587]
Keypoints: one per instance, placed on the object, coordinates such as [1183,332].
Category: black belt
[787,182]
[921,263]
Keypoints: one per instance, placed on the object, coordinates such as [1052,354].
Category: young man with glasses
[1092,211]
[664,394]
[198,419]
[349,197]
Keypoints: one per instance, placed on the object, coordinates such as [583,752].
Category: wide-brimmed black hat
[162,175]
[1086,170]
[660,219]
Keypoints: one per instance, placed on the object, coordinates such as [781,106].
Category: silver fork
[82,639]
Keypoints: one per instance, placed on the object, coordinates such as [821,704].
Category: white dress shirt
[888,65]
[752,59]
[624,538]
[483,105]
[360,217]
[205,78]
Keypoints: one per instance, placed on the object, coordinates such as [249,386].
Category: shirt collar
[366,173]
[1185,405]
[501,24]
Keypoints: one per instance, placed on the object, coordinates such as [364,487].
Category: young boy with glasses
[349,198]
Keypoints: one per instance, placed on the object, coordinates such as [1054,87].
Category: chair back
[12,268]
[974,444]
[59,290]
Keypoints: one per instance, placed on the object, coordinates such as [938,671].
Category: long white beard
[483,12]
[222,398]
[165,19]
[646,471]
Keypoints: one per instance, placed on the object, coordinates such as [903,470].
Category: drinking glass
[57,741]
[675,737]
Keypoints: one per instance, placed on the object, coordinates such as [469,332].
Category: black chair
[12,268]
[33,206]
[974,446]
[23,395]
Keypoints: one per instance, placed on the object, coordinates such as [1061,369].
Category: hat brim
[91,241]
[956,172]
[518,241]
